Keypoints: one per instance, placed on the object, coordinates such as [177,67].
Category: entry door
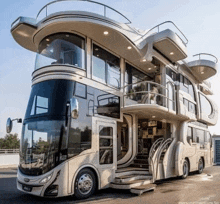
[107,146]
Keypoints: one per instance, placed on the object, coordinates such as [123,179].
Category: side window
[200,134]
[105,145]
[105,67]
[186,86]
[80,90]
[205,105]
[189,134]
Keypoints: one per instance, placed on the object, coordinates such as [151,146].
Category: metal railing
[158,30]
[207,54]
[9,151]
[143,94]
[105,7]
[164,146]
[153,149]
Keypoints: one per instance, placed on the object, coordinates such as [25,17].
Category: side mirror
[9,125]
[74,108]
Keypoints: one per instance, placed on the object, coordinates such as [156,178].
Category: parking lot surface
[196,189]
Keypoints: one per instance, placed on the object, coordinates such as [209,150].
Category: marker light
[105,32]
[172,53]
[129,47]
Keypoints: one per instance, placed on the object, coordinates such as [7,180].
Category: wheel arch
[187,159]
[203,159]
[86,166]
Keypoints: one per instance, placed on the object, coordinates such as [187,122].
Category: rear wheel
[85,184]
[185,169]
[200,166]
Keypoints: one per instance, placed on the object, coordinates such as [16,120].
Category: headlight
[46,179]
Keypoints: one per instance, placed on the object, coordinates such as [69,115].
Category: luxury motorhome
[111,106]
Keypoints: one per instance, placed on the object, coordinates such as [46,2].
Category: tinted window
[49,98]
[104,103]
[61,48]
[105,67]
[80,133]
[80,90]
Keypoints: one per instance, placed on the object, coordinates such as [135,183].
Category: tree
[10,141]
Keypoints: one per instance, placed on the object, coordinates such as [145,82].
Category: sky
[198,19]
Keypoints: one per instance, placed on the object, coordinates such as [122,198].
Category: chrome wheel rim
[185,169]
[85,184]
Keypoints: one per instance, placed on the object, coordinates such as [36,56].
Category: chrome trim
[105,6]
[216,59]
[157,26]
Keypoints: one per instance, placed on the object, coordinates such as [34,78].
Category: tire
[200,166]
[85,184]
[185,169]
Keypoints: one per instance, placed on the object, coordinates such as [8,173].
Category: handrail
[216,59]
[105,6]
[152,149]
[150,82]
[157,143]
[162,147]
[9,151]
[147,83]
[157,26]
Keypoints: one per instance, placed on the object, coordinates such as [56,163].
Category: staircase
[141,161]
[137,180]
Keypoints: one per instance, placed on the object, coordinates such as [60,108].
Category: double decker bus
[110,106]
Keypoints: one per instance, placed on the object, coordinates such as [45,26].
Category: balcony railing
[82,5]
[9,151]
[156,29]
[209,55]
[148,92]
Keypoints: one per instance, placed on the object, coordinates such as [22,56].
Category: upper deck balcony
[86,17]
[152,100]
[204,67]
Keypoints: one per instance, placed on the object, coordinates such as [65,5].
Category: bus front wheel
[85,184]
[200,166]
[185,169]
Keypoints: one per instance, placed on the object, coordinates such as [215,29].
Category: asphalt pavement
[196,189]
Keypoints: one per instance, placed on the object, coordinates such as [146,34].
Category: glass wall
[61,48]
[105,67]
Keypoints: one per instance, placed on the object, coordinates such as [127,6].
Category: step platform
[143,188]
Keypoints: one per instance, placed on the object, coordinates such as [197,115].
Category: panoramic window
[105,67]
[205,105]
[61,48]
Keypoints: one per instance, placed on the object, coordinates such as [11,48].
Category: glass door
[107,136]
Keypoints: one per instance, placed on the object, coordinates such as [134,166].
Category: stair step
[143,188]
[126,178]
[141,161]
[130,171]
[129,184]
[140,165]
